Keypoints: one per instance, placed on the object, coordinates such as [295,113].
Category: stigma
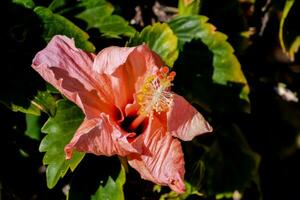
[155,94]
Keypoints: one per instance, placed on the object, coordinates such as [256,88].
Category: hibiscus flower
[129,108]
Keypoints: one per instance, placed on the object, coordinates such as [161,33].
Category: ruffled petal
[184,121]
[70,70]
[100,136]
[125,68]
[164,162]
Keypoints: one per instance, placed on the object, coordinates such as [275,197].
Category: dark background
[271,128]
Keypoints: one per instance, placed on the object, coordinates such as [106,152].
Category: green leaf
[191,7]
[227,68]
[287,7]
[98,14]
[32,109]
[60,129]
[113,189]
[26,3]
[91,15]
[45,102]
[189,190]
[293,48]
[51,89]
[33,127]
[161,39]
[92,3]
[55,24]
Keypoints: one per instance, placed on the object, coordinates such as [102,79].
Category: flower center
[154,95]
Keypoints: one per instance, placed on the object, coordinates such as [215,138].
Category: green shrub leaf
[55,24]
[113,189]
[33,127]
[227,68]
[188,8]
[161,39]
[98,14]
[60,129]
[294,46]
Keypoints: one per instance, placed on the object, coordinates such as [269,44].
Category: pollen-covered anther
[155,95]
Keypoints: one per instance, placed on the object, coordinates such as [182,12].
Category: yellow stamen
[155,95]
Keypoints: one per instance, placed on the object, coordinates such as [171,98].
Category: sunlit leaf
[189,190]
[92,3]
[91,15]
[112,189]
[98,14]
[286,10]
[188,7]
[161,39]
[32,109]
[26,3]
[227,68]
[294,48]
[33,127]
[60,129]
[55,24]
[45,102]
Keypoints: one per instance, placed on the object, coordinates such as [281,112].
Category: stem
[136,122]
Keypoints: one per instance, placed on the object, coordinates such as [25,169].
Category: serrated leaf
[188,7]
[33,127]
[26,3]
[60,129]
[98,14]
[55,24]
[161,39]
[227,68]
[113,189]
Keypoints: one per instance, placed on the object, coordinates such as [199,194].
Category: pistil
[154,96]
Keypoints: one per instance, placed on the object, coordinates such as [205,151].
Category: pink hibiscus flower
[129,108]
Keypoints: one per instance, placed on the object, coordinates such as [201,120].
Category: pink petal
[164,163]
[184,121]
[125,68]
[100,136]
[70,70]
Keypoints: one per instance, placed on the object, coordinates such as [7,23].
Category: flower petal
[125,67]
[164,163]
[70,70]
[184,121]
[100,136]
